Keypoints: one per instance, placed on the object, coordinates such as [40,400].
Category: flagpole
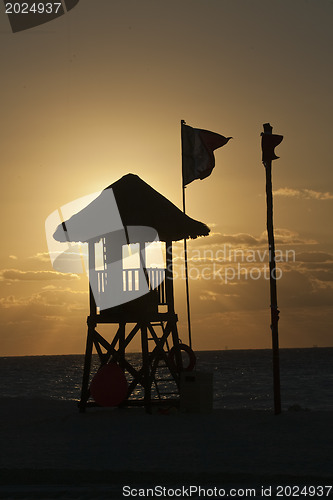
[272,280]
[185,257]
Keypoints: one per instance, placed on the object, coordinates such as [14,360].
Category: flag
[198,148]
[268,143]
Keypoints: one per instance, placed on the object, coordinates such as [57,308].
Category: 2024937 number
[35,8]
[303,491]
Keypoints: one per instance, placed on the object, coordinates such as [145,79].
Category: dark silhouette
[130,212]
[268,142]
[198,161]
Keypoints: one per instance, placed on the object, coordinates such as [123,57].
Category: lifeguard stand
[139,301]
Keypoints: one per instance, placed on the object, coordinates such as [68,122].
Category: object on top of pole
[268,142]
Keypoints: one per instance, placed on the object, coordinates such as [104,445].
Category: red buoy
[109,385]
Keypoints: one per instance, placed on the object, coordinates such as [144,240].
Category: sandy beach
[50,450]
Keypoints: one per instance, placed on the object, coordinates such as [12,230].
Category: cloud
[304,194]
[317,266]
[46,302]
[237,239]
[208,295]
[314,257]
[301,327]
[68,298]
[13,257]
[41,257]
[248,241]
[44,322]
[323,276]
[19,275]
[287,237]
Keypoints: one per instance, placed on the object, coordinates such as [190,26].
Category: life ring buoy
[191,357]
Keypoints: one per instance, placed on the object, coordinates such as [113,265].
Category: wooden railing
[156,277]
[131,282]
[102,281]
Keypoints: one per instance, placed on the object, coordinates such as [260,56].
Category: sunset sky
[100,92]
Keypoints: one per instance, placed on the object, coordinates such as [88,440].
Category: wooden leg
[86,370]
[121,349]
[145,366]
[175,339]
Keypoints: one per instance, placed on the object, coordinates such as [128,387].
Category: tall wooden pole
[272,279]
[185,256]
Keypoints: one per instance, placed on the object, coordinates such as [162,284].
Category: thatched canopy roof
[138,205]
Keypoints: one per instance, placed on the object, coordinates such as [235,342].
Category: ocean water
[242,378]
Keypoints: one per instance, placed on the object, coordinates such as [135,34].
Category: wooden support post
[169,278]
[272,280]
[185,250]
[122,345]
[87,365]
[186,282]
[145,367]
[91,321]
[176,343]
[92,279]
